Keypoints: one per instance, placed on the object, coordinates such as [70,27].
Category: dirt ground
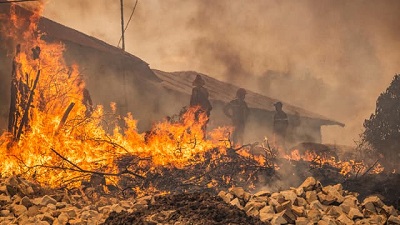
[192,208]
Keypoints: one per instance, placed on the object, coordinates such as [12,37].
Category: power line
[127,24]
[16,1]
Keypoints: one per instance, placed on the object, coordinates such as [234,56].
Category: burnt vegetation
[382,129]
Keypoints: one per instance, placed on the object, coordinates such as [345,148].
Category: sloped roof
[225,92]
[73,38]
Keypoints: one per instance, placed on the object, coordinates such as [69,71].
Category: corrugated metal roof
[225,92]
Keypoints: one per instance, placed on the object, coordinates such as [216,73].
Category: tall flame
[59,151]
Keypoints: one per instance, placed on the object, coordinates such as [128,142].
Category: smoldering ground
[331,57]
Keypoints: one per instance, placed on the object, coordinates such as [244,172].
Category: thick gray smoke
[331,57]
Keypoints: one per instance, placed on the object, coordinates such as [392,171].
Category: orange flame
[58,154]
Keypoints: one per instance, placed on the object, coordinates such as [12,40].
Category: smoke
[330,57]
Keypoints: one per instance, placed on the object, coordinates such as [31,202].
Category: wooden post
[122,25]
[12,120]
[26,111]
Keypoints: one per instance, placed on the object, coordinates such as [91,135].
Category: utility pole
[122,25]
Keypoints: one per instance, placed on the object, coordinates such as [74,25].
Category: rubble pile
[311,203]
[23,202]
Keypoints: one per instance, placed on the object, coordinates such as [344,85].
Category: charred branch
[25,117]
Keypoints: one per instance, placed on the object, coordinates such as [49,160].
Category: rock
[322,222]
[3,189]
[4,213]
[71,212]
[263,193]
[47,200]
[289,216]
[55,214]
[16,199]
[18,210]
[311,196]
[334,211]
[117,208]
[369,206]
[273,202]
[252,212]
[61,205]
[328,220]
[33,211]
[260,198]
[344,219]
[354,213]
[164,215]
[226,197]
[237,191]
[51,207]
[140,206]
[89,214]
[334,192]
[300,192]
[278,197]
[301,202]
[289,195]
[246,196]
[285,205]
[317,205]
[302,221]
[374,200]
[267,209]
[254,204]
[236,202]
[308,184]
[13,181]
[105,209]
[389,210]
[129,204]
[23,219]
[146,199]
[77,221]
[298,210]
[11,190]
[393,220]
[377,219]
[63,218]
[314,215]
[278,219]
[348,203]
[25,201]
[47,217]
[4,200]
[326,199]
[266,214]
[363,222]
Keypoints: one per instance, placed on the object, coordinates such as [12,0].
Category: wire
[14,1]
[127,24]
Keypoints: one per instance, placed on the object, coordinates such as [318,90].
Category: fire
[60,145]
[347,168]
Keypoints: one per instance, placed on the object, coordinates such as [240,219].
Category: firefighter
[199,99]
[281,123]
[238,112]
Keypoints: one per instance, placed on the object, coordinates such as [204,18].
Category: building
[113,75]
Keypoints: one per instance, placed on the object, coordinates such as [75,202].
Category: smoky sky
[330,57]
